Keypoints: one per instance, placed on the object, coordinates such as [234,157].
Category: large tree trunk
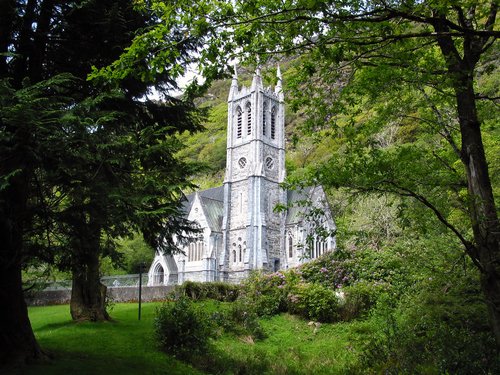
[17,341]
[88,295]
[482,210]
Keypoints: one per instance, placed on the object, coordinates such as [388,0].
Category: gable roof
[212,204]
[214,210]
[295,201]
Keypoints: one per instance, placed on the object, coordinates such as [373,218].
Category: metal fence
[116,281]
[124,280]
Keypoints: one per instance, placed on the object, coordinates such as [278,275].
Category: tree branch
[469,246]
[446,133]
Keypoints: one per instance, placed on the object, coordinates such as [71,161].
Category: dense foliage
[182,328]
[217,291]
[397,84]
[82,162]
[408,318]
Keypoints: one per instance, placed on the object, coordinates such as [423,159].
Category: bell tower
[255,167]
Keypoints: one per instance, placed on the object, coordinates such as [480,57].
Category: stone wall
[116,294]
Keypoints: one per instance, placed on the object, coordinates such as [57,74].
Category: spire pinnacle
[234,84]
[279,87]
[257,79]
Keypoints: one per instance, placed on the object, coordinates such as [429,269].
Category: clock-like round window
[242,163]
[269,163]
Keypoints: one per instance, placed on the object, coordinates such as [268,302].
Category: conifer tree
[82,162]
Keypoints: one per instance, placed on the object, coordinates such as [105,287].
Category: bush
[181,329]
[218,291]
[359,298]
[314,301]
[334,269]
[268,292]
[443,328]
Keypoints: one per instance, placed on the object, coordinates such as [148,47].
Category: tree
[116,173]
[25,114]
[436,46]
[81,162]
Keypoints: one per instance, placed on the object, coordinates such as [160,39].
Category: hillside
[209,146]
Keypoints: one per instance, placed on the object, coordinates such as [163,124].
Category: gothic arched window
[199,250]
[249,118]
[273,123]
[239,122]
[158,275]
[240,254]
[264,118]
[290,246]
[191,252]
[234,256]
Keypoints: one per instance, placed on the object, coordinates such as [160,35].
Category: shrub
[243,319]
[182,329]
[440,329]
[314,301]
[268,292]
[359,298]
[218,291]
[334,269]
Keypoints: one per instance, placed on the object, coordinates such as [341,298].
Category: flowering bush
[335,270]
[310,290]
[268,292]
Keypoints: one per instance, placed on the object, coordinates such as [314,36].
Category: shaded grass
[292,347]
[126,346]
[123,346]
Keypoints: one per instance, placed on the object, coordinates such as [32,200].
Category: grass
[294,347]
[124,346]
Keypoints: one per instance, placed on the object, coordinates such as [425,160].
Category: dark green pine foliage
[81,162]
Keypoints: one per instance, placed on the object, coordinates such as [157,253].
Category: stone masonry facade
[241,229]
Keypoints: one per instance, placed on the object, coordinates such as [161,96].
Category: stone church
[241,229]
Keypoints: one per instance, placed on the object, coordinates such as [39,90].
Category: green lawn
[124,346]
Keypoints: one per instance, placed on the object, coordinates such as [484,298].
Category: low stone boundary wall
[115,294]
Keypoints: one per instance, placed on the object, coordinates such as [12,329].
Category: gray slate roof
[214,210]
[212,202]
[296,201]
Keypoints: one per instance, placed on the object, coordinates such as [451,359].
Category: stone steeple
[255,166]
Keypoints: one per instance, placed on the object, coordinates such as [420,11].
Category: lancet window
[195,251]
[264,118]
[273,123]
[239,122]
[249,119]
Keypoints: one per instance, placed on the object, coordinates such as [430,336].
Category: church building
[241,229]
